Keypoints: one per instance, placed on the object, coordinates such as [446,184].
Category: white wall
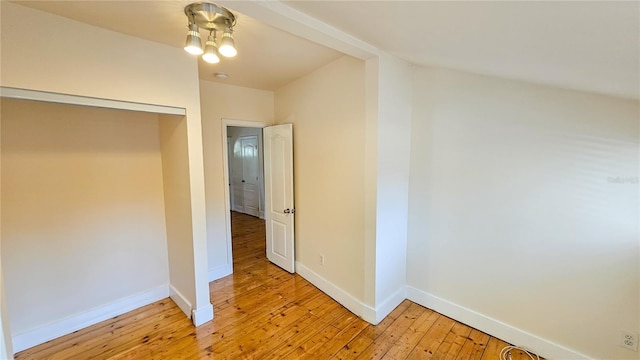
[113,66]
[220,101]
[327,110]
[388,138]
[524,209]
[172,135]
[82,210]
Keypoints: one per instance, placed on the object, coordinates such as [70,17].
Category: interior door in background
[250,175]
[280,210]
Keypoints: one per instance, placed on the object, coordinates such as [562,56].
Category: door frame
[225,171]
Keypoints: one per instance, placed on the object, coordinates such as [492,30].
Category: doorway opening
[245,166]
[258,178]
[244,201]
[246,170]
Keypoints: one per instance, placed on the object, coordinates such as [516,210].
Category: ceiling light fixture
[213,18]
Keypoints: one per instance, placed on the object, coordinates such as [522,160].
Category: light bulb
[193,44]
[211,51]
[227,45]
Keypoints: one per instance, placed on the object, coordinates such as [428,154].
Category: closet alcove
[95,212]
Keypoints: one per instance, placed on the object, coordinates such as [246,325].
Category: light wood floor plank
[384,342]
[314,344]
[452,344]
[432,340]
[116,326]
[352,349]
[474,346]
[410,338]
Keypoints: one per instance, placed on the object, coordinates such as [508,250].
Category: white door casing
[230,173]
[280,210]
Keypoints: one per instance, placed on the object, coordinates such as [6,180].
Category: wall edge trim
[59,98]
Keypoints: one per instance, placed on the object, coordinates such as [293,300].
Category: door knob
[287,211]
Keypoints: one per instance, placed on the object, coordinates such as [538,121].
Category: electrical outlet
[322,259]
[629,340]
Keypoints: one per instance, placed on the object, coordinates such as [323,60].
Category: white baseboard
[220,272]
[180,300]
[386,307]
[339,295]
[81,320]
[198,316]
[496,328]
[202,315]
[366,312]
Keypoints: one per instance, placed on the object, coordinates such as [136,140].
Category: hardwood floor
[262,312]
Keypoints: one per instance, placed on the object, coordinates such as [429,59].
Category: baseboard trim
[336,293]
[90,317]
[181,301]
[220,272]
[387,306]
[369,314]
[366,312]
[496,328]
[202,315]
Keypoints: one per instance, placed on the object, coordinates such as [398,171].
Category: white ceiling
[267,58]
[586,45]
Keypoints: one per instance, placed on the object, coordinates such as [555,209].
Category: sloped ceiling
[586,45]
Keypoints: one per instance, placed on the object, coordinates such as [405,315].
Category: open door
[280,210]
